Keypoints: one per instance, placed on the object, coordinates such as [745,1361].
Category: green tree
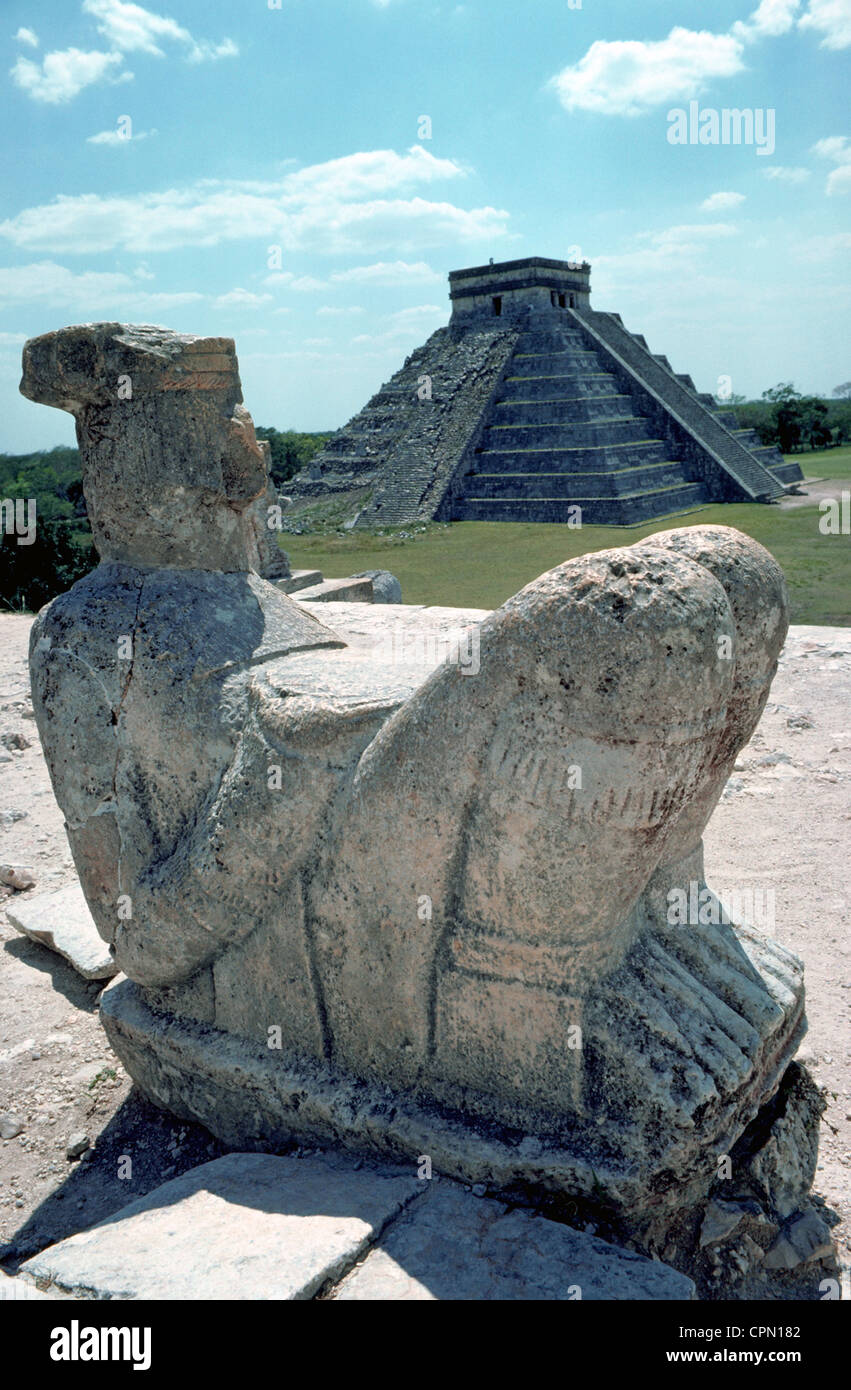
[290,451]
[813,420]
[783,427]
[31,575]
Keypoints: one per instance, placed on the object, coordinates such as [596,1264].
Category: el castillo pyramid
[530,405]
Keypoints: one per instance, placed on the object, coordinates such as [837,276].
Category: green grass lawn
[480,564]
[824,463]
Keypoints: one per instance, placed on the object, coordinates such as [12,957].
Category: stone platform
[260,1227]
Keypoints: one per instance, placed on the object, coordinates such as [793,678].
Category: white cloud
[384,225]
[685,246]
[301,212]
[63,74]
[387,273]
[204,52]
[784,174]
[416,312]
[822,248]
[302,284]
[833,147]
[840,180]
[683,238]
[719,202]
[837,149]
[94,291]
[133,29]
[769,20]
[114,137]
[242,297]
[370,171]
[306,284]
[628,77]
[832,18]
[405,323]
[27,36]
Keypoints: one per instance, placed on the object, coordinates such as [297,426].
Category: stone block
[300,579]
[337,591]
[244,1227]
[453,1245]
[63,922]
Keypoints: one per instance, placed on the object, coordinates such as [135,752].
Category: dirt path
[783,825]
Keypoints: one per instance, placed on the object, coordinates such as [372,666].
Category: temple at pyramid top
[510,287]
[529,405]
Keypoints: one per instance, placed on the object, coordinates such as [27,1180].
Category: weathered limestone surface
[270,560]
[452,1245]
[403,881]
[62,921]
[338,590]
[255,1226]
[300,579]
[247,1226]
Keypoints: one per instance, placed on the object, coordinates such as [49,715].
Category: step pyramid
[531,406]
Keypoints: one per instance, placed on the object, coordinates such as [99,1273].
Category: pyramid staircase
[563,432]
[786,472]
[585,416]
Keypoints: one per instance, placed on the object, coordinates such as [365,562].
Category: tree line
[62,551]
[795,422]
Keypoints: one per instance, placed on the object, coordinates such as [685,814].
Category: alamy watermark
[835,519]
[18,518]
[729,126]
[698,906]
[458,647]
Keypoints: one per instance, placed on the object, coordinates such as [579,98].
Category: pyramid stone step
[576,408]
[565,434]
[732,465]
[595,511]
[588,458]
[611,483]
[565,385]
[552,363]
[786,471]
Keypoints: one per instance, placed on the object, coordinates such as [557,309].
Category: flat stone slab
[454,1245]
[62,921]
[335,590]
[246,1226]
[299,579]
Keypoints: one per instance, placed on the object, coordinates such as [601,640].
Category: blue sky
[264,172]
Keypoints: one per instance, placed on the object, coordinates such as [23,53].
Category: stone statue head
[169,456]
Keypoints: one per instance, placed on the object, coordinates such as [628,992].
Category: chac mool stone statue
[401,906]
